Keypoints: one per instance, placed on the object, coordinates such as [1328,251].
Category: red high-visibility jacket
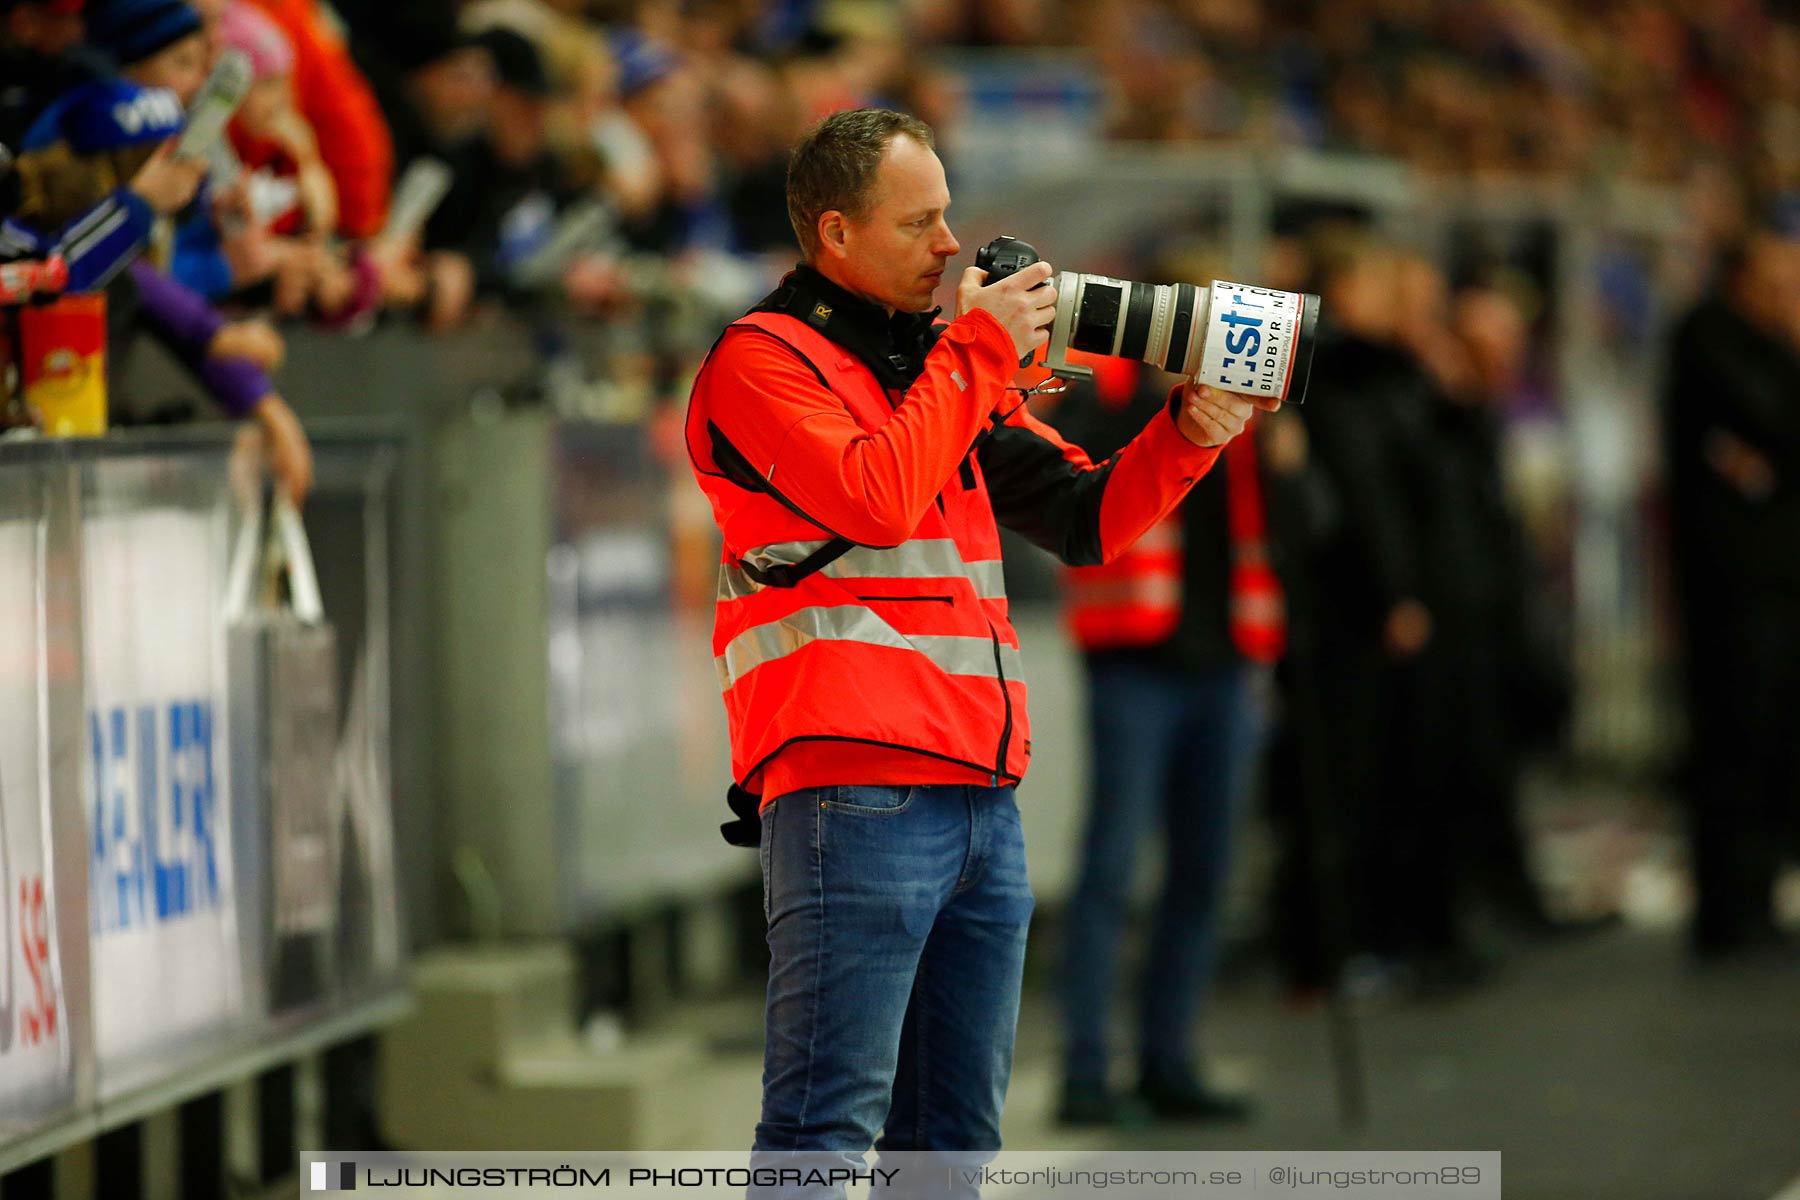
[1134,600]
[894,662]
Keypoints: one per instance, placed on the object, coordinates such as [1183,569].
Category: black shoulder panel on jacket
[1039,494]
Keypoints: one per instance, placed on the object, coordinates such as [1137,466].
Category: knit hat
[243,26]
[133,30]
[112,114]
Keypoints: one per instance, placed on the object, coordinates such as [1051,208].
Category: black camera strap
[892,347]
[787,575]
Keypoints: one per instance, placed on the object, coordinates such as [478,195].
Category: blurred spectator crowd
[677,113]
[605,149]
[1642,89]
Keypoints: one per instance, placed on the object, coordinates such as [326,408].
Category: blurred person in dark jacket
[433,82]
[1389,553]
[1306,889]
[434,86]
[1519,678]
[1480,660]
[1178,635]
[508,185]
[1732,411]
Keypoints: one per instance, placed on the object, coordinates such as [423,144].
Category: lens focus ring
[1181,330]
[1136,337]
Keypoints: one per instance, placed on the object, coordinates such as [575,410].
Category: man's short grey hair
[833,166]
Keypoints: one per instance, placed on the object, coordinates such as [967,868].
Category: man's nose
[947,245]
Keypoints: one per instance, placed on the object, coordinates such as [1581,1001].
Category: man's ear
[832,234]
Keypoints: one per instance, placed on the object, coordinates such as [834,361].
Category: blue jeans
[1177,747]
[896,927]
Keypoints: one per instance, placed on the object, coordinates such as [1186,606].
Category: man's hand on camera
[1210,417]
[1027,314]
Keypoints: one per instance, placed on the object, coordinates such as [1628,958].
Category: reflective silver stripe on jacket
[1164,535]
[921,558]
[854,623]
[1161,590]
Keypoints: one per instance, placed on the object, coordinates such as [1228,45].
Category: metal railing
[138,961]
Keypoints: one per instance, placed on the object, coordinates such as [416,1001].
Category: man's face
[896,251]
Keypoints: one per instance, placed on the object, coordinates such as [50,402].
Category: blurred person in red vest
[859,457]
[1178,635]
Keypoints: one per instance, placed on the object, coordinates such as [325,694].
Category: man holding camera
[858,455]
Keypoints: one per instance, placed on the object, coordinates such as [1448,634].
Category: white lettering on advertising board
[161,912]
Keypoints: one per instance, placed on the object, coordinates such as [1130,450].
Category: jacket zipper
[912,599]
[1006,699]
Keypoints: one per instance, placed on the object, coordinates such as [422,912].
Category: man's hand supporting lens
[1209,417]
